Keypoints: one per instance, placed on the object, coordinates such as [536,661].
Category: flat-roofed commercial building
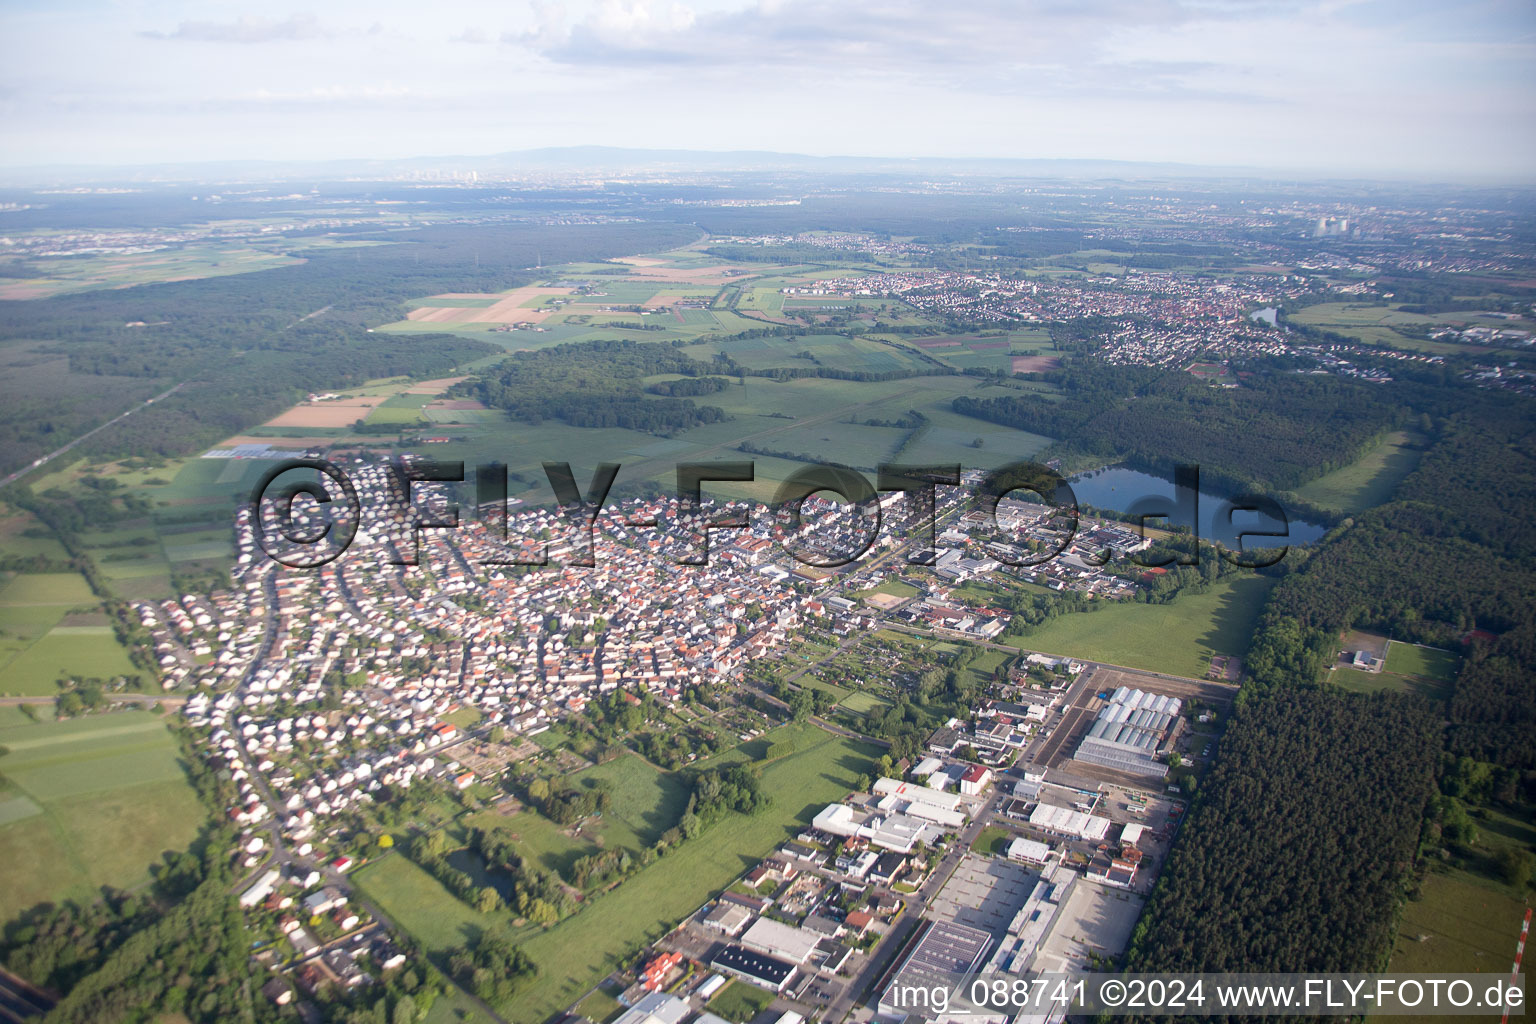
[781,940]
[759,969]
[943,949]
[1064,821]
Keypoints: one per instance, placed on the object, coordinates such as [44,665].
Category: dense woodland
[1305,839]
[1294,858]
[1275,437]
[598,384]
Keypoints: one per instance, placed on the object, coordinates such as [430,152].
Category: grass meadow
[43,637]
[1177,638]
[108,798]
[1370,480]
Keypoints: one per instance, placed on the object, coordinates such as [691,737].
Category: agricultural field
[402,409]
[86,803]
[1177,638]
[1373,325]
[1370,480]
[806,416]
[52,626]
[62,275]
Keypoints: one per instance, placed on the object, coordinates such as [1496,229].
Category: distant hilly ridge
[616,161]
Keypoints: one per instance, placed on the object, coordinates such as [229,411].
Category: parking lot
[984,892]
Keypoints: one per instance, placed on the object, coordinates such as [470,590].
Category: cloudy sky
[1402,87]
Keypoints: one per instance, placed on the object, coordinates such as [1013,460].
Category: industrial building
[780,940]
[1132,729]
[655,1008]
[889,831]
[1064,821]
[920,802]
[729,918]
[1034,921]
[1029,851]
[766,971]
[944,949]
[975,779]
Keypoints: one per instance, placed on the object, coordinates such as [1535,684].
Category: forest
[1452,568]
[597,384]
[1276,437]
[1298,849]
[1343,783]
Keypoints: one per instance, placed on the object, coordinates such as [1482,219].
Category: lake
[1119,489]
[1270,315]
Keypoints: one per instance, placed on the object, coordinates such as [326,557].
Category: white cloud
[245,30]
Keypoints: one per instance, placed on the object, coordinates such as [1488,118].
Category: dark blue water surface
[1119,489]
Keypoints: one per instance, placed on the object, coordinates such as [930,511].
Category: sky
[1403,88]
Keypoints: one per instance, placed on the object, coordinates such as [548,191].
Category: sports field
[86,803]
[1410,668]
[1177,638]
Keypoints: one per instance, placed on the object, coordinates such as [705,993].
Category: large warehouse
[1132,729]
[945,949]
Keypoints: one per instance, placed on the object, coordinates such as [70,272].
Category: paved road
[39,463]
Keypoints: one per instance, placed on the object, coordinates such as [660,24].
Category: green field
[1178,638]
[1373,325]
[1457,926]
[38,645]
[420,904]
[863,703]
[646,800]
[1424,662]
[992,841]
[63,275]
[739,1001]
[112,799]
[893,588]
[1370,480]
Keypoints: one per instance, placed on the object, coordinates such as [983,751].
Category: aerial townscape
[616,584]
